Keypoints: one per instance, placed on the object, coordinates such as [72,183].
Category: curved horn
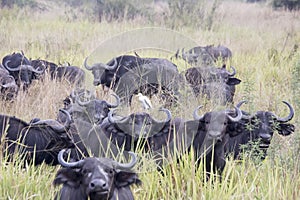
[126,166]
[117,102]
[54,124]
[11,69]
[233,71]
[30,68]
[83,103]
[86,65]
[169,115]
[289,117]
[238,117]
[73,94]
[9,85]
[183,54]
[195,113]
[64,163]
[241,103]
[108,67]
[110,116]
[112,120]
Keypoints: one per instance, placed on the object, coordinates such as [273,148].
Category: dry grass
[249,30]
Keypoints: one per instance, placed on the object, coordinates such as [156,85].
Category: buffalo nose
[265,137]
[98,184]
[96,83]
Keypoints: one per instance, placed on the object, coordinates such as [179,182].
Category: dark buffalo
[259,128]
[214,83]
[138,130]
[8,86]
[20,68]
[96,179]
[39,141]
[211,131]
[128,75]
[205,56]
[86,110]
[72,74]
[135,132]
[88,107]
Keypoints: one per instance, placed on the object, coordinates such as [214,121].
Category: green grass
[249,30]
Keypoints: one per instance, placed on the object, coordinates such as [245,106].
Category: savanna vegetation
[265,50]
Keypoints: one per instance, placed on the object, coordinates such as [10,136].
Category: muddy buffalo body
[38,141]
[25,71]
[87,112]
[128,75]
[72,74]
[214,83]
[200,56]
[96,179]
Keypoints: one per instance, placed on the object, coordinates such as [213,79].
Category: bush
[286,4]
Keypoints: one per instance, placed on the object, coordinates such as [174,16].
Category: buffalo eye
[225,123]
[109,171]
[106,110]
[85,171]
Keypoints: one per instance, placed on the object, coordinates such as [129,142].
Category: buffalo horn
[241,103]
[86,65]
[238,117]
[64,163]
[9,85]
[233,71]
[184,56]
[11,69]
[117,102]
[22,67]
[126,166]
[55,125]
[289,117]
[83,103]
[112,120]
[108,67]
[195,114]
[169,115]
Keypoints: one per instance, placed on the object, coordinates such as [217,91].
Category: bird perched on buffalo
[146,103]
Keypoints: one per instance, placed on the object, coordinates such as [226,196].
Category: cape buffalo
[72,74]
[210,134]
[20,68]
[259,128]
[96,179]
[8,86]
[38,141]
[128,75]
[212,82]
[205,56]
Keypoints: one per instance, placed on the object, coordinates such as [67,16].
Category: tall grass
[249,30]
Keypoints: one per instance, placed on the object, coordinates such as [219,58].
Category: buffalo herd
[88,130]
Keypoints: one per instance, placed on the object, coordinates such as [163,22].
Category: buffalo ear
[233,81]
[68,176]
[285,129]
[124,178]
[235,128]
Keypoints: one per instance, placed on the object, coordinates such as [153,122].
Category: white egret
[145,101]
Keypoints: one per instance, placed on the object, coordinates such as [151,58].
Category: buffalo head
[20,68]
[264,123]
[96,178]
